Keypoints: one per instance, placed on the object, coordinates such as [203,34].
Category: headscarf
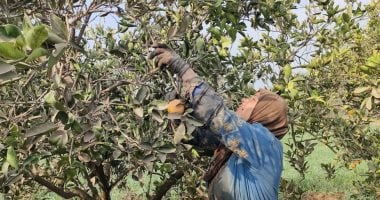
[268,109]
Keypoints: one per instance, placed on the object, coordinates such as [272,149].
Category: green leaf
[59,138]
[218,3]
[9,50]
[36,53]
[167,150]
[179,133]
[287,72]
[26,24]
[9,31]
[50,97]
[36,36]
[373,61]
[142,93]
[160,104]
[226,42]
[4,168]
[199,44]
[54,38]
[215,32]
[195,153]
[5,67]
[157,116]
[57,53]
[58,26]
[346,17]
[194,122]
[12,157]
[41,129]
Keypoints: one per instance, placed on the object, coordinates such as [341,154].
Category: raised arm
[249,141]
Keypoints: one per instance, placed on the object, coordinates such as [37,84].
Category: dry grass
[323,196]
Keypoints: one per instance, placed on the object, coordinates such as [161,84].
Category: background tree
[82,107]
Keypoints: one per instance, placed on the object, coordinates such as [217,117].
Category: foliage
[82,107]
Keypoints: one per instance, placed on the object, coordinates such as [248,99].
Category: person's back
[239,179]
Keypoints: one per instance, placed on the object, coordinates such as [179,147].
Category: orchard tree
[83,108]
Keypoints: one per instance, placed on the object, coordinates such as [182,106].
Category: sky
[111,21]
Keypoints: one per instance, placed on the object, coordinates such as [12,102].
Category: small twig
[30,110]
[117,84]
[149,184]
[172,81]
[10,81]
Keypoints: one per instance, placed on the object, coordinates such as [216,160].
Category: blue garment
[254,169]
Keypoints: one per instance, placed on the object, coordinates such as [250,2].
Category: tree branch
[104,182]
[165,186]
[117,84]
[60,191]
[120,178]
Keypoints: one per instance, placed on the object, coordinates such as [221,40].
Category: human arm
[246,140]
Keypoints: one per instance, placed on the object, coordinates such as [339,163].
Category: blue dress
[254,169]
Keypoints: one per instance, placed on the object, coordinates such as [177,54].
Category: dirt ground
[323,196]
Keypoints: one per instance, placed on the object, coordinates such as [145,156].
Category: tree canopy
[82,107]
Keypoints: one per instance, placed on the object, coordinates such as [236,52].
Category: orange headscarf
[266,108]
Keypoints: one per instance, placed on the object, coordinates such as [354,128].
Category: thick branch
[120,178]
[60,191]
[165,186]
[104,182]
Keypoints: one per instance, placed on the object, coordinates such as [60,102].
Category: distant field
[315,180]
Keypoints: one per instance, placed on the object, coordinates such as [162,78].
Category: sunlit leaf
[179,133]
[157,116]
[58,26]
[36,36]
[139,112]
[50,97]
[9,50]
[376,92]
[36,53]
[361,90]
[12,157]
[287,72]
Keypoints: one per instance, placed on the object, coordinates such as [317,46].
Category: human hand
[164,56]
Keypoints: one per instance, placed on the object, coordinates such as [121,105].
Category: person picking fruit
[247,164]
